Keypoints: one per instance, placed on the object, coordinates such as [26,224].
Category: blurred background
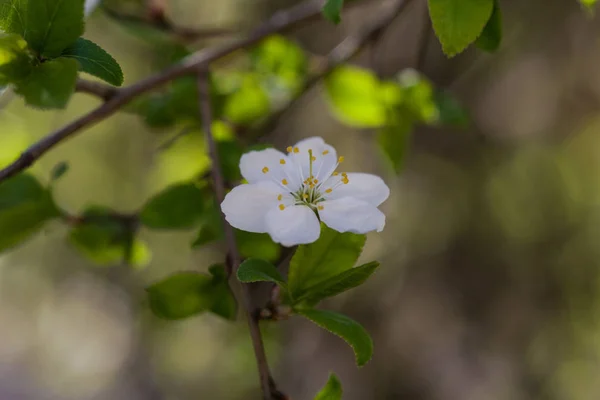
[490,279]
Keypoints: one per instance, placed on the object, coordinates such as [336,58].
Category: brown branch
[234,257]
[281,21]
[423,40]
[158,20]
[101,90]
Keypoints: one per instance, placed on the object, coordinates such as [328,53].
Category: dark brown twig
[234,257]
[101,90]
[159,21]
[281,21]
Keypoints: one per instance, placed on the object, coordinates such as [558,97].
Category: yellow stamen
[345,175]
[305,195]
[296,150]
[265,170]
[280,197]
[329,190]
[289,149]
[313,158]
[336,173]
[282,161]
[281,207]
[341,159]
[326,152]
[284,181]
[321,207]
[316,181]
[345,181]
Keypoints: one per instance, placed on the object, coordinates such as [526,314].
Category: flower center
[312,191]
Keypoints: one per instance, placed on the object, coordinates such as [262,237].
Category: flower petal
[293,225]
[325,158]
[246,206]
[365,187]
[351,215]
[266,165]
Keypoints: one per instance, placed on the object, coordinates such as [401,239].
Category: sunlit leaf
[94,60]
[48,26]
[332,389]
[458,23]
[24,208]
[50,84]
[349,330]
[248,103]
[15,60]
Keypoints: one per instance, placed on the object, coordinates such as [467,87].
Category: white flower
[287,195]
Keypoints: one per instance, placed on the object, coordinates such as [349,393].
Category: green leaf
[48,26]
[94,60]
[24,208]
[230,153]
[418,98]
[491,37]
[106,240]
[15,61]
[59,170]
[589,4]
[211,225]
[281,65]
[394,140]
[349,330]
[355,97]
[255,270]
[248,103]
[331,254]
[257,245]
[458,23]
[332,10]
[50,84]
[186,294]
[179,206]
[337,284]
[451,112]
[332,389]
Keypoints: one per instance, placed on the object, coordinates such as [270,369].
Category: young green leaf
[355,97]
[185,294]
[332,10]
[50,84]
[94,60]
[255,270]
[349,330]
[332,389]
[24,208]
[48,26]
[491,37]
[59,170]
[393,141]
[15,61]
[458,23]
[181,295]
[331,254]
[248,103]
[338,284]
[452,113]
[179,206]
[106,241]
[257,245]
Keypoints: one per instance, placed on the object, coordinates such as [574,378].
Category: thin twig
[101,90]
[219,187]
[424,40]
[159,21]
[281,21]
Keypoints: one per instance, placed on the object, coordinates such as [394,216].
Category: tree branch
[266,381]
[101,90]
[281,21]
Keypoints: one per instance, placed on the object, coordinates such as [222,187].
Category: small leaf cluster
[359,99]
[41,51]
[318,271]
